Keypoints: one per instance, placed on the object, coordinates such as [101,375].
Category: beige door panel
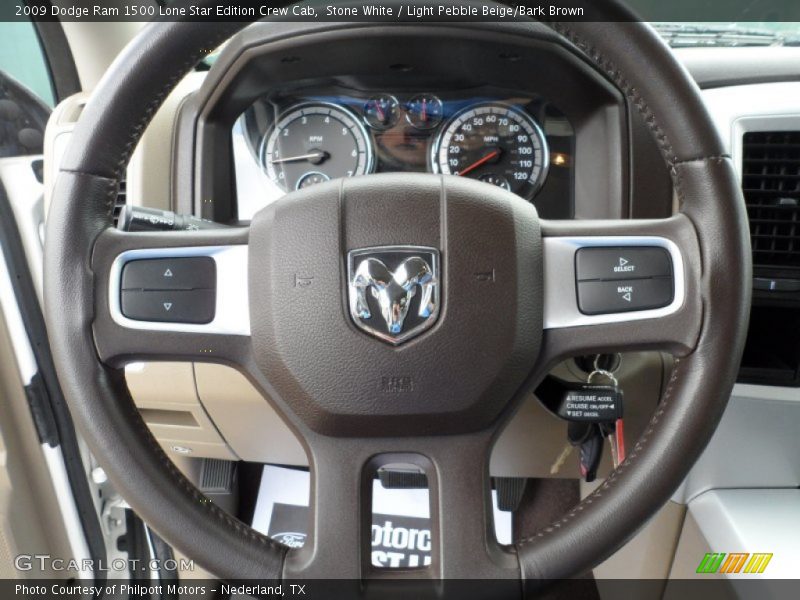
[30,519]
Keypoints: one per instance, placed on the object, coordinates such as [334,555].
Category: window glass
[22,58]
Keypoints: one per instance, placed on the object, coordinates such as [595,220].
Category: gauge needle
[381,114]
[318,155]
[479,162]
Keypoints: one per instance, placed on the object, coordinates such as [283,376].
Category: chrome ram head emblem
[394,290]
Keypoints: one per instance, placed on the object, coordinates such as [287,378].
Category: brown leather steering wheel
[469,370]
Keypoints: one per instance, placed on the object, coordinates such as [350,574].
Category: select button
[627,262]
[604,297]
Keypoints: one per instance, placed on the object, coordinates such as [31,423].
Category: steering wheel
[286,317]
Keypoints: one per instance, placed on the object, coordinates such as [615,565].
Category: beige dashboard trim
[252,427]
[166,396]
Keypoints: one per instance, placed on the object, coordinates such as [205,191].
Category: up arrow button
[176,273]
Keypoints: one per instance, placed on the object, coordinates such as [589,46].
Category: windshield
[729,34]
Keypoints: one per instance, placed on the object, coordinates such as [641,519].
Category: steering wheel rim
[711,229]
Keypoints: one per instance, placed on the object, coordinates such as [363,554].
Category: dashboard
[514,140]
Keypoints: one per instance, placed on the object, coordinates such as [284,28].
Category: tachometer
[312,143]
[495,143]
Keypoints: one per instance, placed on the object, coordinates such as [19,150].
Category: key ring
[604,373]
[596,365]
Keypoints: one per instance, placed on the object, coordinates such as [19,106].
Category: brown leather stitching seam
[632,94]
[154,105]
[111,188]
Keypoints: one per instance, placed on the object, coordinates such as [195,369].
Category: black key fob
[590,454]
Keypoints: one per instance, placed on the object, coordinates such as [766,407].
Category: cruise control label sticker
[598,404]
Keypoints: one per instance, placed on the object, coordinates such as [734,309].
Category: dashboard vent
[771,186]
[122,199]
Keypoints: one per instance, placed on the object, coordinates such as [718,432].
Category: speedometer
[495,143]
[313,143]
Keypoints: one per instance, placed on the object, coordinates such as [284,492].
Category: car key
[577,434]
[598,408]
[590,440]
[613,430]
[615,434]
[591,452]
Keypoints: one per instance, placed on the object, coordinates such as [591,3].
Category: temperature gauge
[381,112]
[311,178]
[424,111]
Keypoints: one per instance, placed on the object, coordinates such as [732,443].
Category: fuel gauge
[495,179]
[424,111]
[381,111]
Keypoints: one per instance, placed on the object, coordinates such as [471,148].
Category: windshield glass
[729,34]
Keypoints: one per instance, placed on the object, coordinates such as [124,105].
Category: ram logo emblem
[394,290]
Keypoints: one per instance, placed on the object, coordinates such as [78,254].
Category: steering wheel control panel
[196,289]
[611,279]
[171,290]
[625,279]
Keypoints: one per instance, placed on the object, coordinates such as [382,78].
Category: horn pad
[396,304]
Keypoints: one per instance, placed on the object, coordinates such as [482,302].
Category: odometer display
[494,143]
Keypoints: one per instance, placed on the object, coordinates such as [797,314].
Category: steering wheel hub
[416,298]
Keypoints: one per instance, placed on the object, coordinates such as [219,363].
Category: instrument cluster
[288,142]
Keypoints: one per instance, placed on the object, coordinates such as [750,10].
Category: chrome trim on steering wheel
[232,314]
[560,299]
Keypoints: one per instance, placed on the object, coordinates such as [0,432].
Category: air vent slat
[771,146]
[774,176]
[770,193]
[771,186]
[769,161]
[772,236]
